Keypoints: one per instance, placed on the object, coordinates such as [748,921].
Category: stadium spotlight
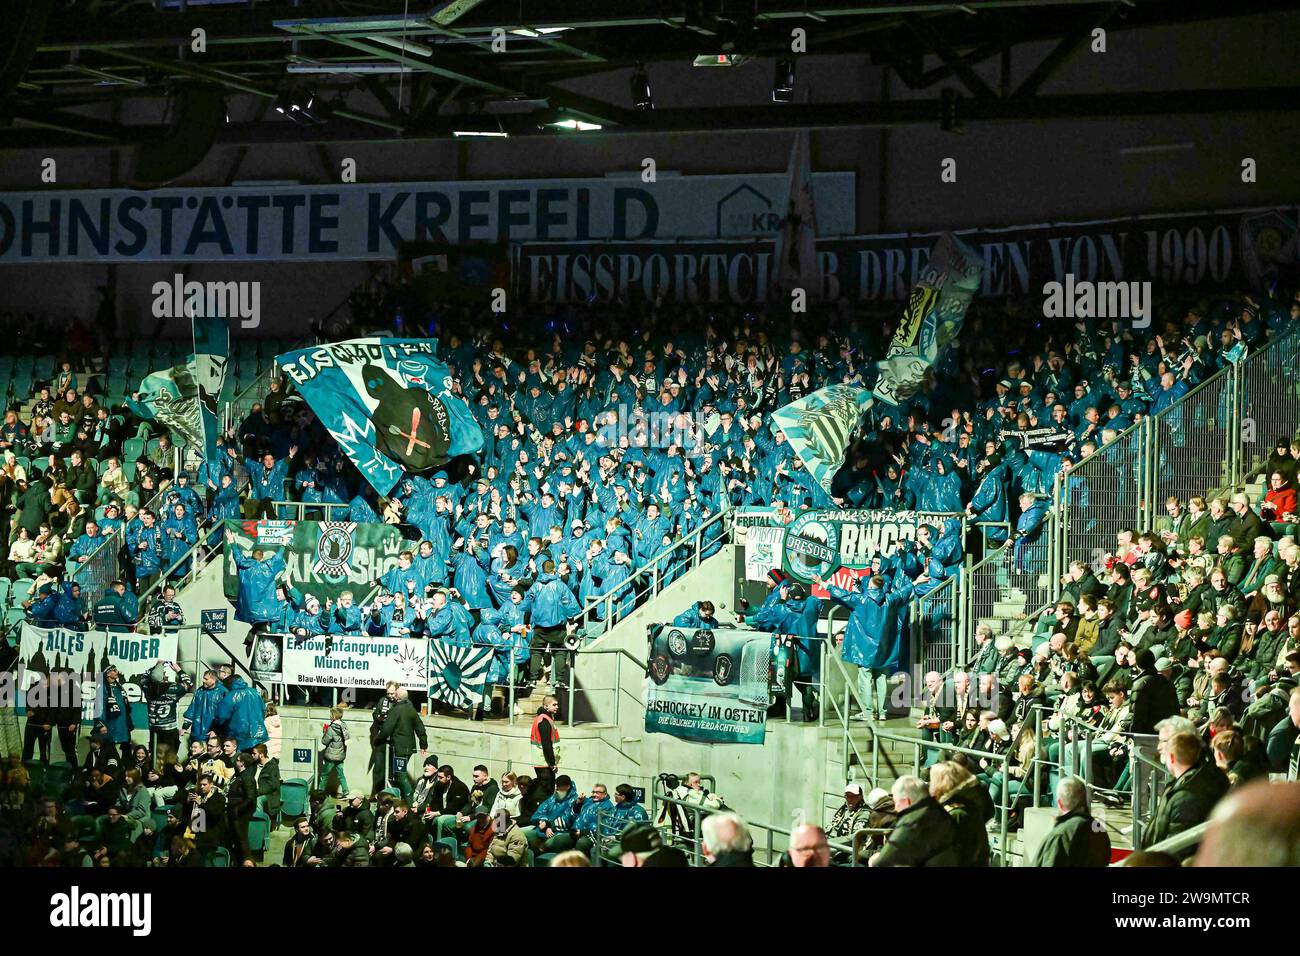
[783,81]
[640,85]
[576,124]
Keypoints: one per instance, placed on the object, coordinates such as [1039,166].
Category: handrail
[618,688]
[1177,843]
[1005,759]
[847,744]
[620,592]
[696,842]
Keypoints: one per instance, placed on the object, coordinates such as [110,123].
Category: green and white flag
[170,398]
[819,427]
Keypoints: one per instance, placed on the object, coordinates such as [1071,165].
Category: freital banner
[1204,250]
[328,223]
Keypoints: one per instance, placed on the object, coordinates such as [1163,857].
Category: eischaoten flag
[387,402]
[819,426]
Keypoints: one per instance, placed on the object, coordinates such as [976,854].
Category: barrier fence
[1214,439]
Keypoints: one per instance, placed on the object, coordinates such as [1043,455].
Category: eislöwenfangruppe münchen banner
[370,221]
[1235,249]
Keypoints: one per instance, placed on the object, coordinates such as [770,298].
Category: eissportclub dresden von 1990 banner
[324,558]
[709,685]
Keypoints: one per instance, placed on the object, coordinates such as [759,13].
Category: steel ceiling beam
[877,115]
[193,70]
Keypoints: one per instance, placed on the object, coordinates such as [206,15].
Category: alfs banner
[45,650]
[710,685]
[387,402]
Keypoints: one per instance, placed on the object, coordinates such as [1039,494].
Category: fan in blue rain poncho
[874,636]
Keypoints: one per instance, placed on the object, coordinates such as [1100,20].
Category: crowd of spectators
[611,435]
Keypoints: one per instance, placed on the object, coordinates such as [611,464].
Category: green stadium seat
[128,468]
[259,832]
[293,798]
[219,857]
[58,777]
[132,449]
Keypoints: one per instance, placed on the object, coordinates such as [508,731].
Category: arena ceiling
[121,72]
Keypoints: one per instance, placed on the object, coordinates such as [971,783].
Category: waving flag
[934,316]
[387,402]
[171,398]
[211,355]
[796,244]
[457,674]
[819,427]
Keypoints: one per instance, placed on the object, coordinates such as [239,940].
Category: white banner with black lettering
[348,661]
[43,650]
[328,223]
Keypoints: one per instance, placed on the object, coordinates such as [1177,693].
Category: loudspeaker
[199,112]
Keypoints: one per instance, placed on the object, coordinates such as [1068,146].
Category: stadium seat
[128,468]
[293,798]
[15,616]
[132,449]
[259,832]
[58,777]
[21,588]
[6,585]
[218,857]
[451,844]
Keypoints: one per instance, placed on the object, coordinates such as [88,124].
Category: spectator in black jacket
[449,801]
[925,835]
[1154,696]
[405,826]
[356,817]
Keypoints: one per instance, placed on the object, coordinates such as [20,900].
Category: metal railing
[297,510]
[693,843]
[1003,807]
[840,704]
[618,690]
[1214,438]
[603,611]
[1176,844]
